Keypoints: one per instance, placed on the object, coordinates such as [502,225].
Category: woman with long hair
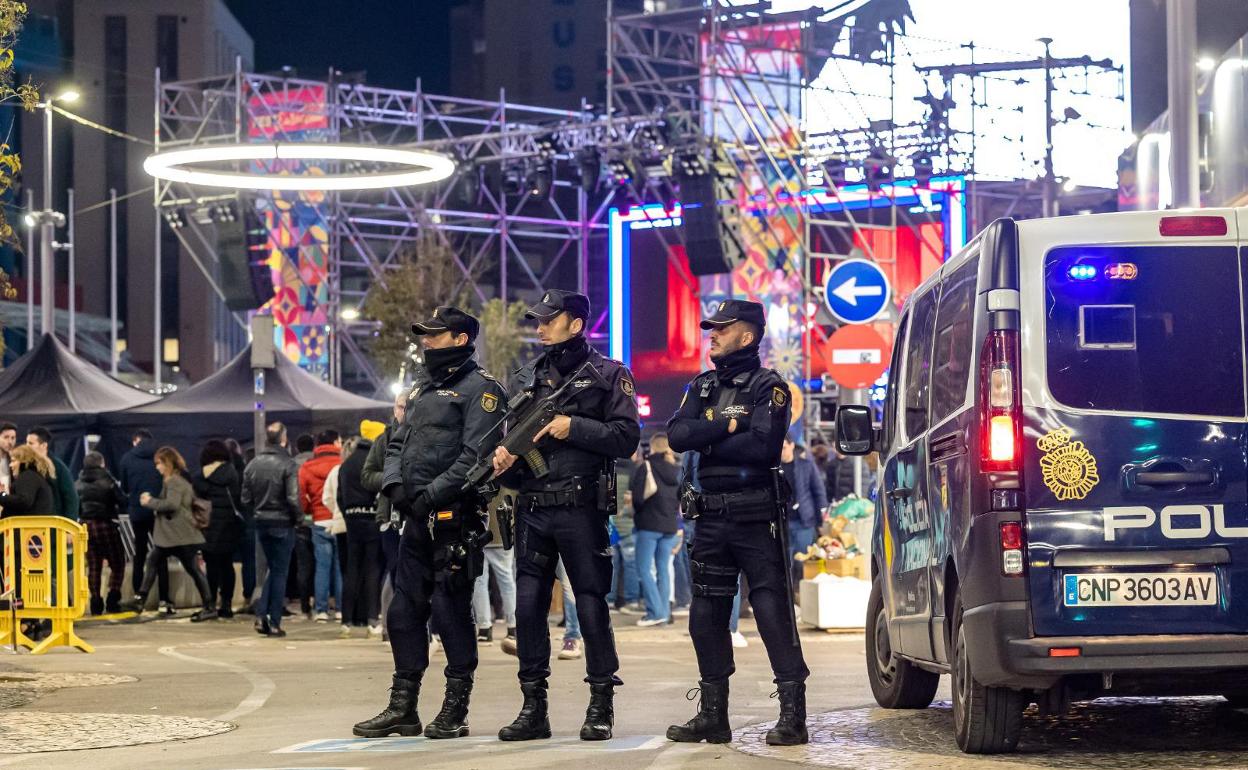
[656,504]
[219,483]
[31,494]
[175,534]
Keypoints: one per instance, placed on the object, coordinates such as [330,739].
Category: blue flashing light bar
[1082,272]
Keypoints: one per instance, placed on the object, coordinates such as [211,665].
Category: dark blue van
[1063,501]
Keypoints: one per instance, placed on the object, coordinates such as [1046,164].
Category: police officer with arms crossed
[564,515]
[736,417]
[448,420]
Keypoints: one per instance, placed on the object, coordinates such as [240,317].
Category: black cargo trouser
[578,535]
[722,548]
[419,595]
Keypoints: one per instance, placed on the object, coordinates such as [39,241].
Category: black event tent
[222,406]
[51,387]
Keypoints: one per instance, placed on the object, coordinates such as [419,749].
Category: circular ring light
[424,167]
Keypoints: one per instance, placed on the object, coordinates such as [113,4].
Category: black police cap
[732,310]
[556,301]
[447,318]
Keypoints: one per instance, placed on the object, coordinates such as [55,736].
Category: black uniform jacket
[448,422]
[733,461]
[604,421]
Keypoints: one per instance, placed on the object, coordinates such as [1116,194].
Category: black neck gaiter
[443,362]
[568,355]
[731,364]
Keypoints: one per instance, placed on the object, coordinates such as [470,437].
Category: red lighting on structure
[643,405]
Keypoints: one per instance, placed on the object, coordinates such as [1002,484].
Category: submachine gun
[525,418]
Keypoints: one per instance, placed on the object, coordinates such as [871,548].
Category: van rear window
[1146,329]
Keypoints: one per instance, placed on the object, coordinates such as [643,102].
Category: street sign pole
[263,356]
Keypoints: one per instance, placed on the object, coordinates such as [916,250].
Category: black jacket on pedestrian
[138,474]
[738,388]
[270,488]
[31,496]
[603,408]
[374,471]
[355,499]
[448,421]
[99,496]
[658,512]
[223,489]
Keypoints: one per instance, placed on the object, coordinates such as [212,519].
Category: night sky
[394,41]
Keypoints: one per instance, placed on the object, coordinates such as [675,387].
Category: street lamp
[48,219]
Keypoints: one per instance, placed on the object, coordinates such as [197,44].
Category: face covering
[731,364]
[443,362]
[568,355]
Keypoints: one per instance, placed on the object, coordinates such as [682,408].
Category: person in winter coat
[218,482]
[101,500]
[175,534]
[64,497]
[31,494]
[810,500]
[137,473]
[312,475]
[371,478]
[357,506]
[656,504]
[271,493]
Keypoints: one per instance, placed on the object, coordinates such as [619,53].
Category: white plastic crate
[829,601]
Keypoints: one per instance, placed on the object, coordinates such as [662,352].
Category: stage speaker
[711,241]
[246,280]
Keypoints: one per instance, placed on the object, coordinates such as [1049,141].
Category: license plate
[1141,589]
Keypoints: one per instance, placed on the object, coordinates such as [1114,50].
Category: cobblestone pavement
[25,732]
[1175,733]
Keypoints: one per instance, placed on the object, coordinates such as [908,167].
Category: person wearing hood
[138,476]
[656,502]
[450,418]
[218,482]
[563,516]
[736,417]
[100,501]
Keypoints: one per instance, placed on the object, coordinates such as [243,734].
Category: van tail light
[1192,225]
[1012,548]
[1001,411]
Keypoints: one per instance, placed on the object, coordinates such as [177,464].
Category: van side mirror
[854,432]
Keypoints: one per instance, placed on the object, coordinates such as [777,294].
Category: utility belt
[747,505]
[459,534]
[597,492]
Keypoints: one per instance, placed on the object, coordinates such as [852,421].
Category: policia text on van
[1064,491]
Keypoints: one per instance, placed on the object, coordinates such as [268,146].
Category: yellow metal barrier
[45,567]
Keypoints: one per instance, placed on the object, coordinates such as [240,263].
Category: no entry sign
[858,356]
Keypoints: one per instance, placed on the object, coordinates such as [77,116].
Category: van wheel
[896,683]
[986,720]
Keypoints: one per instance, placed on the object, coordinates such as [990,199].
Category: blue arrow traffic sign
[856,291]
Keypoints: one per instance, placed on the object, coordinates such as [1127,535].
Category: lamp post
[49,220]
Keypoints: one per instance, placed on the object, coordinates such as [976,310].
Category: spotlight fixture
[621,172]
[548,146]
[174,218]
[468,185]
[589,166]
[513,179]
[690,164]
[539,181]
[652,137]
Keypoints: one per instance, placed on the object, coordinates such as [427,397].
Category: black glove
[420,507]
[397,495]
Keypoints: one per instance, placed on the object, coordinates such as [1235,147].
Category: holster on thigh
[713,580]
[535,554]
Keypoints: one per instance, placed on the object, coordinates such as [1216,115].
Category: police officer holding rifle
[450,416]
[735,417]
[566,494]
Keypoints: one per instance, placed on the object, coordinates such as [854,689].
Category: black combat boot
[97,605]
[112,603]
[710,724]
[449,723]
[400,716]
[600,715]
[533,721]
[790,730]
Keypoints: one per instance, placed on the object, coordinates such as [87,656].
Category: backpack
[201,512]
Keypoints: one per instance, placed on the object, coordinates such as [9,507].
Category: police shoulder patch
[779,396]
[626,385]
[489,402]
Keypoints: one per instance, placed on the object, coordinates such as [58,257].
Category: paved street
[217,696]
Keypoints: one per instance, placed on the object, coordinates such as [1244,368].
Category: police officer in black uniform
[736,417]
[450,416]
[564,514]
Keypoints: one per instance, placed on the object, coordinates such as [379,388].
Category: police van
[1063,492]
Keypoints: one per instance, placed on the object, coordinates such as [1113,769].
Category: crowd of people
[305,521]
